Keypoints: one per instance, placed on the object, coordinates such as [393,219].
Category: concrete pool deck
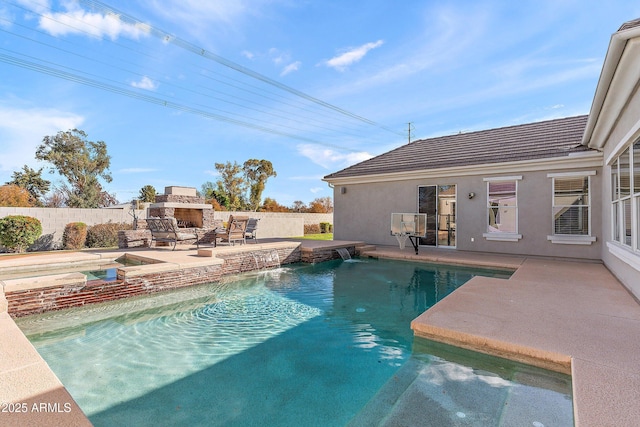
[574,317]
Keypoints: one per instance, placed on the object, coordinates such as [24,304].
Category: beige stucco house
[567,188]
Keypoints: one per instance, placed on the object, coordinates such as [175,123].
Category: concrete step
[365,248]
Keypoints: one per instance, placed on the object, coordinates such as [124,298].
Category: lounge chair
[236,227]
[252,229]
[166,230]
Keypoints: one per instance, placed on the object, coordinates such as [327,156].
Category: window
[625,199]
[623,192]
[571,208]
[636,192]
[502,208]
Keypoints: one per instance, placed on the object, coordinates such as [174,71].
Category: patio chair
[235,231]
[252,229]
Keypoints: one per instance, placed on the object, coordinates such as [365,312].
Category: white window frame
[569,239]
[502,236]
[629,254]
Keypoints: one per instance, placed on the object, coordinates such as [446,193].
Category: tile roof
[548,139]
[630,24]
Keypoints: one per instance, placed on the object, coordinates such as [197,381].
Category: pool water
[109,272]
[328,344]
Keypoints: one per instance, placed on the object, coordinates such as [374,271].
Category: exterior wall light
[343,190]
[472,195]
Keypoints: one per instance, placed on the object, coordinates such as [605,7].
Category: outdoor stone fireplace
[183,204]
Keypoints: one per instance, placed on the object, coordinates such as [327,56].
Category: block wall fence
[272,224]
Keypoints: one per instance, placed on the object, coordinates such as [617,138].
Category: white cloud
[447,36]
[145,83]
[5,18]
[294,66]
[75,20]
[331,159]
[22,130]
[316,190]
[344,60]
[277,56]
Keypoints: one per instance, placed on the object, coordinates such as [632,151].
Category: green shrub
[18,232]
[105,235]
[326,227]
[74,235]
[312,229]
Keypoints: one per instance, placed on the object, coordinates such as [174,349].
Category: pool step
[438,392]
[364,249]
[376,411]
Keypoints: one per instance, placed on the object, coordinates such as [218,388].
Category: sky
[175,86]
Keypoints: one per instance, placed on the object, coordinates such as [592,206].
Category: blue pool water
[327,344]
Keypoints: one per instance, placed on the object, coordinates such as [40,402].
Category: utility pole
[409,131]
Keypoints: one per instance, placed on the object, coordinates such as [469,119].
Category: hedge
[105,235]
[74,235]
[18,232]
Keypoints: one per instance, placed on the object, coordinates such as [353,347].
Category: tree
[270,205]
[256,173]
[321,205]
[299,206]
[147,194]
[32,181]
[232,184]
[107,199]
[82,163]
[14,196]
[55,199]
[214,195]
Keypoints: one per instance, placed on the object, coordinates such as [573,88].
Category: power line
[111,65]
[169,38]
[153,100]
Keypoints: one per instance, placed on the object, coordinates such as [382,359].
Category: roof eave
[601,120]
[587,159]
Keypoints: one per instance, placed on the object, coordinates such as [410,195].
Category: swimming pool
[325,344]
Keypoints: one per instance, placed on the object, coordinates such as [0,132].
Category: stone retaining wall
[321,255]
[79,293]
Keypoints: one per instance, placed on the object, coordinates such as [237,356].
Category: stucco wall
[363,212]
[54,220]
[620,260]
[280,224]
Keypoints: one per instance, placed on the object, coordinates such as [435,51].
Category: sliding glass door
[427,204]
[439,203]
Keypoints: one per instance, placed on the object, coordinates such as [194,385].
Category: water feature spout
[344,253]
[267,259]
